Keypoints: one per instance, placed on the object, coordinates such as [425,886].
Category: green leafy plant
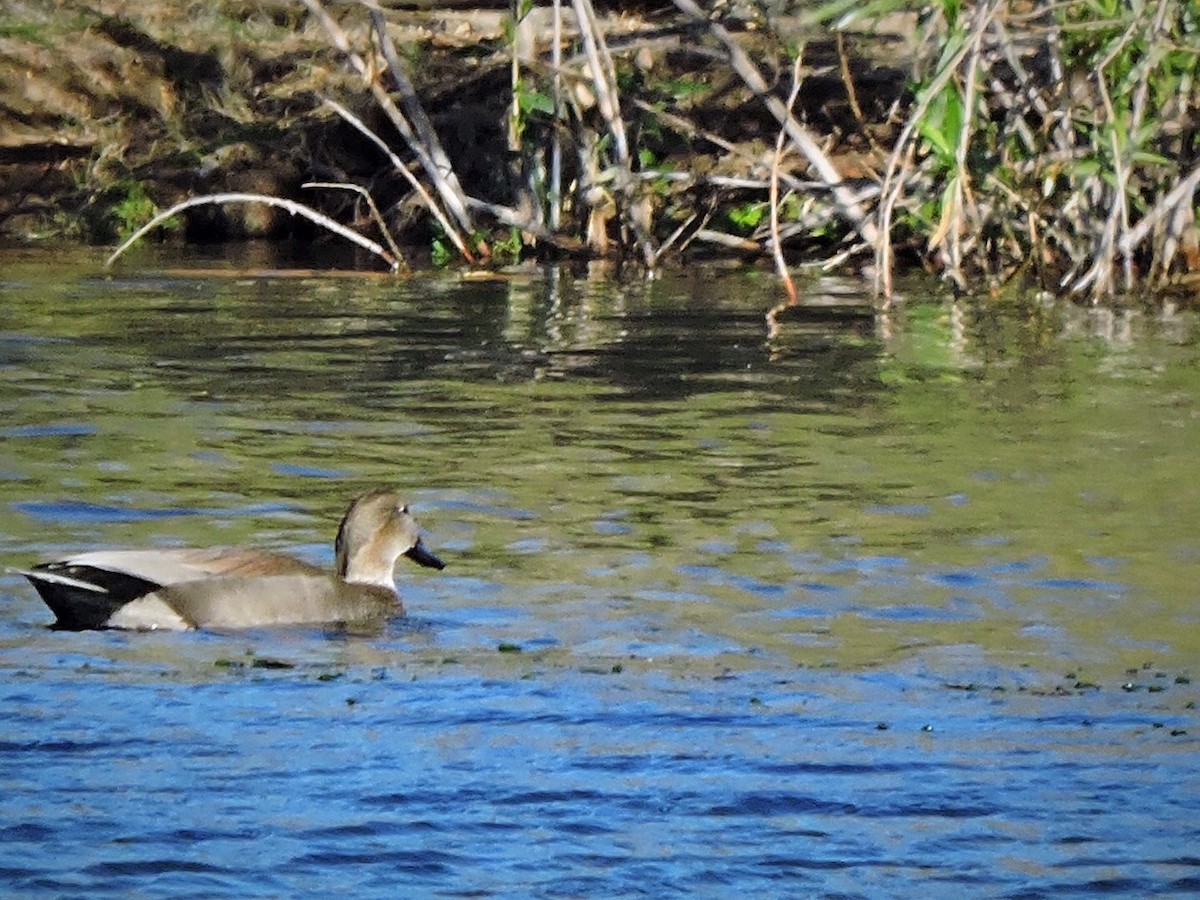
[748,216]
[508,251]
[440,253]
[135,209]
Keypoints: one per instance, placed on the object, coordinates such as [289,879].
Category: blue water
[832,615]
[379,781]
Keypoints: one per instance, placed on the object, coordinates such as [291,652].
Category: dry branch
[805,143]
[376,216]
[776,245]
[434,164]
[604,81]
[296,209]
[403,170]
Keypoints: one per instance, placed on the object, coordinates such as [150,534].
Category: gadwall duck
[226,587]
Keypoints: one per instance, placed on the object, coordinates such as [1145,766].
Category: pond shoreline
[964,141]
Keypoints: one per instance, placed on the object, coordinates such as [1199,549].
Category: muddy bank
[110,110]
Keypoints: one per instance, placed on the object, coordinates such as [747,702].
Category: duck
[179,589]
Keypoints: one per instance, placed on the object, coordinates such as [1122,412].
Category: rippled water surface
[855,604]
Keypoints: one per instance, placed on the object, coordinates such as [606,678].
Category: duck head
[376,531]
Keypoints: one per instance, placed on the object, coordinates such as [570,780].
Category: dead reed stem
[556,89]
[776,244]
[604,81]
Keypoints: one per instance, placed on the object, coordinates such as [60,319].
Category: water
[868,606]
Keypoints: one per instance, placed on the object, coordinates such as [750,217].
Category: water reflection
[623,418]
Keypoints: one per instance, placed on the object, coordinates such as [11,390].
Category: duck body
[225,587]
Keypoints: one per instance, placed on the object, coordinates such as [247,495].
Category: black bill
[419,554]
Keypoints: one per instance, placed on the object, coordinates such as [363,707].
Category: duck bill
[419,554]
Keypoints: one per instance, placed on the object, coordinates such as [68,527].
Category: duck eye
[403,509]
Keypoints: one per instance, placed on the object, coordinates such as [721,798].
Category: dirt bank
[110,110]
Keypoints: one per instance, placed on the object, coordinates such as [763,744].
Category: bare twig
[296,209]
[905,150]
[434,159]
[438,173]
[776,244]
[406,173]
[375,214]
[507,216]
[704,220]
[604,79]
[799,135]
[727,240]
[848,84]
[1177,195]
[555,198]
[679,232]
